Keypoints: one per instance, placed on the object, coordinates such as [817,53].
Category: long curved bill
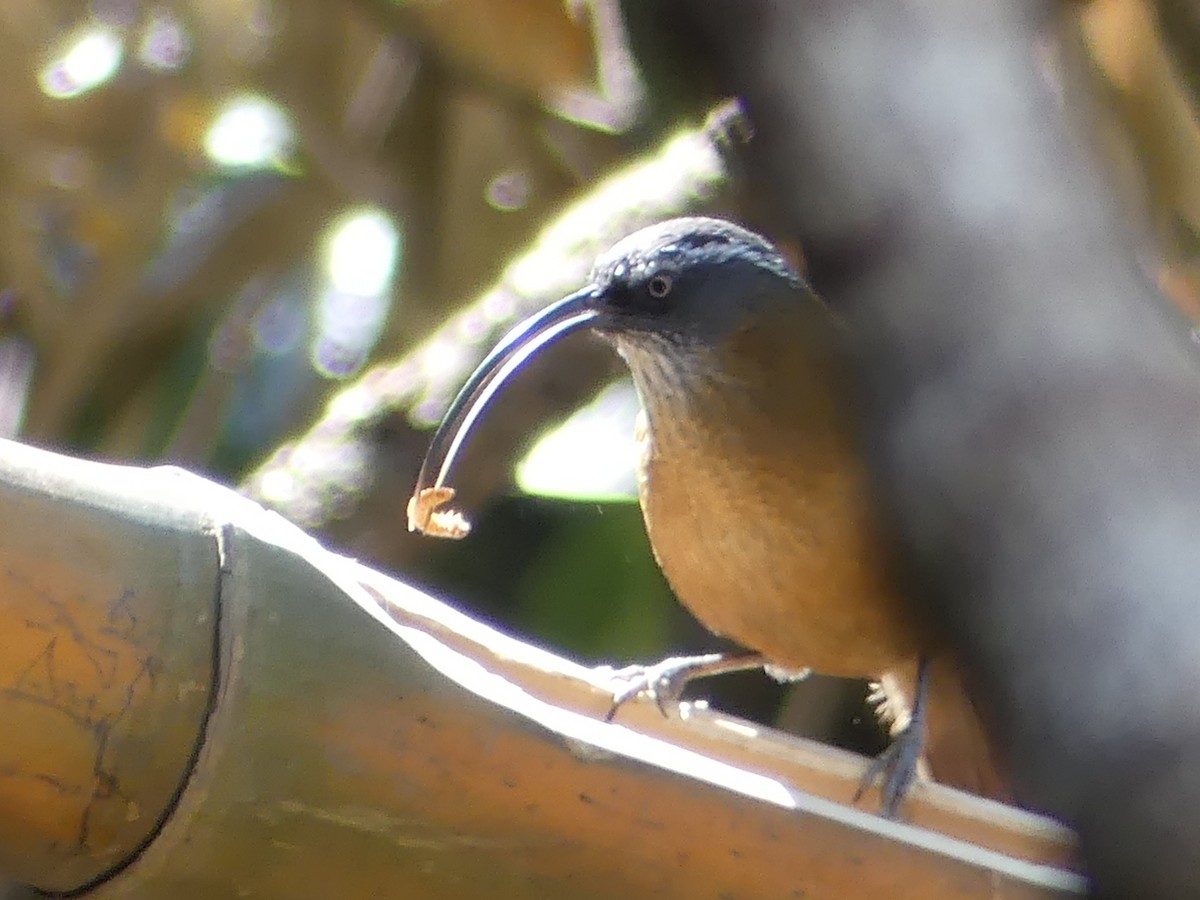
[426,508]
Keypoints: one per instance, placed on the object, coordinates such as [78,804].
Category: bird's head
[685,282]
[667,294]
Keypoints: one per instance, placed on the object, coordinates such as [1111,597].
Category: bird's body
[752,482]
[744,498]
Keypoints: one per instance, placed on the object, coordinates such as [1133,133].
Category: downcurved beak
[556,321]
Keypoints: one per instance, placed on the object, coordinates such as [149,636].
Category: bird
[752,483]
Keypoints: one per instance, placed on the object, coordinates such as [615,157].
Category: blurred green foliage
[617,606]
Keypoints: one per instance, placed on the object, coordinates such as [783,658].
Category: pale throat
[746,402]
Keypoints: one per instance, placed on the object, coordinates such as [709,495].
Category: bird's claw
[896,769]
[662,682]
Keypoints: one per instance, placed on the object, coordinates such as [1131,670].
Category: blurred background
[267,241]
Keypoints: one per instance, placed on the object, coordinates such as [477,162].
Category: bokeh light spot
[165,43]
[361,252]
[90,57]
[249,132]
[509,191]
[591,455]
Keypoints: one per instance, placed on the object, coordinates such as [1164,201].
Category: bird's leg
[664,681]
[896,767]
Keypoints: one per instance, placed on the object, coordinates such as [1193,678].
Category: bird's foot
[664,682]
[895,769]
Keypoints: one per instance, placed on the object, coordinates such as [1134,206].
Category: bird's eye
[659,286]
